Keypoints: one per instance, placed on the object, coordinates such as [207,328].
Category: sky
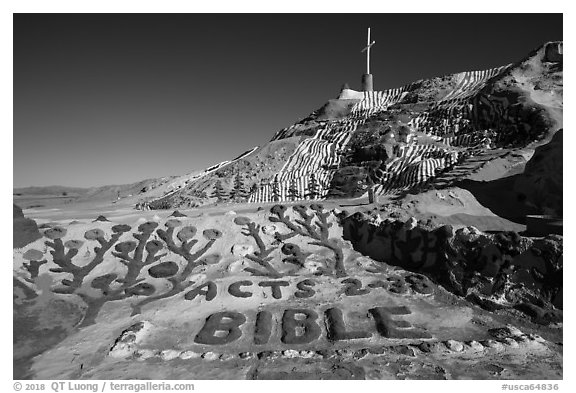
[117,98]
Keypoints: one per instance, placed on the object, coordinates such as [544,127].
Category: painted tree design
[179,279]
[314,226]
[135,255]
[238,192]
[253,189]
[262,255]
[293,192]
[313,189]
[219,193]
[276,189]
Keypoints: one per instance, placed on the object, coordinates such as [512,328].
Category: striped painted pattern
[471,82]
[378,101]
[413,164]
[404,174]
[468,87]
[320,155]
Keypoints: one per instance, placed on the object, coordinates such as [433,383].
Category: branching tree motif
[276,189]
[293,192]
[262,255]
[253,189]
[63,258]
[317,230]
[134,255]
[313,190]
[169,270]
[238,192]
[130,284]
[219,193]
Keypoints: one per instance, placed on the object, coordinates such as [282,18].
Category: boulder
[25,230]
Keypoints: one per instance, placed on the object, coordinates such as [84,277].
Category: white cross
[367,49]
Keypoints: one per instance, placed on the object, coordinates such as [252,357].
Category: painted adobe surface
[267,295]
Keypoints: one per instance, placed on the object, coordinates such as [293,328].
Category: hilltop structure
[367,79]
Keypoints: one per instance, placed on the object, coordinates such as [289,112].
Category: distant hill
[50,190]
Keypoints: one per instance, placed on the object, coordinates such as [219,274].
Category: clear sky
[112,99]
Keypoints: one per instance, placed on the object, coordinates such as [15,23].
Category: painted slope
[415,164]
[448,120]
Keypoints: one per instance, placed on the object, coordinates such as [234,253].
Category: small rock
[454,345]
[210,356]
[315,263]
[269,230]
[238,266]
[426,347]
[523,339]
[169,354]
[269,354]
[474,231]
[452,195]
[359,354]
[125,344]
[492,344]
[308,354]
[411,223]
[536,337]
[242,250]
[509,342]
[344,353]
[190,355]
[177,214]
[463,234]
[143,354]
[404,350]
[246,355]
[475,345]
[227,356]
[325,353]
[290,353]
[514,331]
[500,333]
[230,213]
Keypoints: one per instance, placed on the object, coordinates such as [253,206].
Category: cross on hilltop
[367,80]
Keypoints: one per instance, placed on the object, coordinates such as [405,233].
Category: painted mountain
[426,135]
